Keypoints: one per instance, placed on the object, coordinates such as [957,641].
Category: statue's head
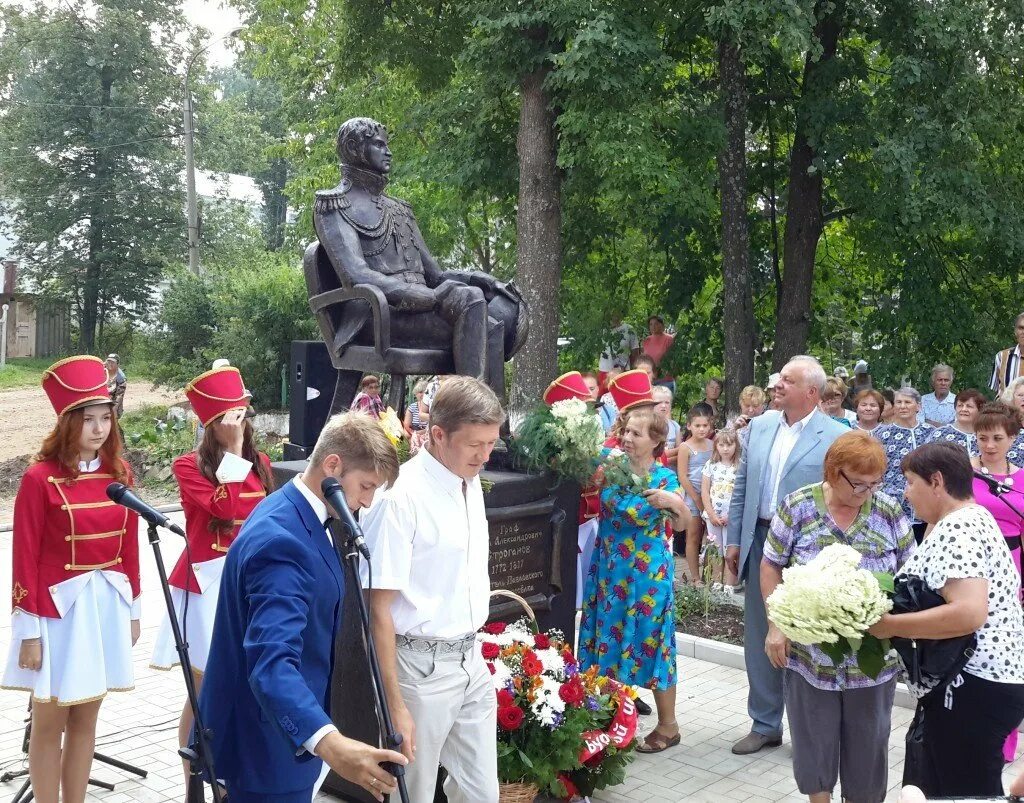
[363,142]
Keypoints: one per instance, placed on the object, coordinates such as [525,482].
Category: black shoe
[753,742]
[642,708]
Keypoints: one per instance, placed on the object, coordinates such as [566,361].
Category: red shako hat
[567,386]
[214,393]
[631,389]
[76,382]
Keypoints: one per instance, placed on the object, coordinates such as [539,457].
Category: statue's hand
[412,298]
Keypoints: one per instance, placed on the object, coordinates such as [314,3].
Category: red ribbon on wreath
[620,733]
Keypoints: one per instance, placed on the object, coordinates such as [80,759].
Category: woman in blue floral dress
[627,628]
[899,439]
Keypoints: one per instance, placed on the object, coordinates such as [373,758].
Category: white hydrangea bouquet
[831,602]
[565,438]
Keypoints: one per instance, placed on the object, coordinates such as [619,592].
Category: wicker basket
[517,792]
[514,596]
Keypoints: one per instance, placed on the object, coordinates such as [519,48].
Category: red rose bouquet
[565,731]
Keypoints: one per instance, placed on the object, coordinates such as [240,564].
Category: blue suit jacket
[803,467]
[266,689]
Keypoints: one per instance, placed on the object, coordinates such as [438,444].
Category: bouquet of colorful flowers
[566,732]
[565,438]
[830,601]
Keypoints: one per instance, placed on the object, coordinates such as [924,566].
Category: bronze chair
[364,334]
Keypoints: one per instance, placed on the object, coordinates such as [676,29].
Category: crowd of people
[923,487]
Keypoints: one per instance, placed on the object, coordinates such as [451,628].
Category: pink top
[655,346]
[1010,524]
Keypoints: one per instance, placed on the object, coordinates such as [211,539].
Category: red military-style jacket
[64,527]
[202,501]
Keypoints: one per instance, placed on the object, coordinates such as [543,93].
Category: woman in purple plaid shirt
[839,718]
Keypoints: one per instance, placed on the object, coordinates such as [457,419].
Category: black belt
[764,522]
[1013,542]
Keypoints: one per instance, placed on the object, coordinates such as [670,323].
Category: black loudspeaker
[310,390]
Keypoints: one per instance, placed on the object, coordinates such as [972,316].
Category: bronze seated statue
[381,300]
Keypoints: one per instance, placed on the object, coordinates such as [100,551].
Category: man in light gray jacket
[785,451]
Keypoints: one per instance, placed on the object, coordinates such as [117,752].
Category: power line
[79,105]
[97,147]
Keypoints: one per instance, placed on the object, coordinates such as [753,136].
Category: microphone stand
[999,491]
[198,753]
[349,557]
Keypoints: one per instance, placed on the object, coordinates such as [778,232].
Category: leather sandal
[655,742]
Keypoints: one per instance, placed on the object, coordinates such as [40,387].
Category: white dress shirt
[320,511]
[785,439]
[428,540]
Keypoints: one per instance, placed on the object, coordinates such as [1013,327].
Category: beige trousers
[453,705]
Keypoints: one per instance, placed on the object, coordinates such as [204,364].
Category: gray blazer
[803,467]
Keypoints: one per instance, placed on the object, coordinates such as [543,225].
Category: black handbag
[928,662]
[934,663]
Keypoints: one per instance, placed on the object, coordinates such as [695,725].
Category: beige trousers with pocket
[452,702]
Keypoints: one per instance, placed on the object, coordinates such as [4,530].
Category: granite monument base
[533,548]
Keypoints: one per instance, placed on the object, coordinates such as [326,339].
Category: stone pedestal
[533,544]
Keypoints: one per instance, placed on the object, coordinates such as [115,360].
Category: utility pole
[192,202]
[192,210]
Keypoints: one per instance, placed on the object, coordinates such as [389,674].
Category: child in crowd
[663,396]
[643,363]
[693,454]
[606,408]
[718,477]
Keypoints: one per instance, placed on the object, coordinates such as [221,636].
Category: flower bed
[708,614]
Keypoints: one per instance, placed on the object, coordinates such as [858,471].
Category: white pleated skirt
[87,652]
[197,625]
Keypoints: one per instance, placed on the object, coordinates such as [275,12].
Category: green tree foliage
[89,175]
[905,116]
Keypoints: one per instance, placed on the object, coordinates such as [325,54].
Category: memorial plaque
[526,553]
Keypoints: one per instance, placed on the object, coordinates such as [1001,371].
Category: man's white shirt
[785,439]
[428,541]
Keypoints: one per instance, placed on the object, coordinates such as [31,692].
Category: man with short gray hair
[431,593]
[785,451]
[938,408]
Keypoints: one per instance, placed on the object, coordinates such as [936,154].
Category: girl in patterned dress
[627,628]
[717,483]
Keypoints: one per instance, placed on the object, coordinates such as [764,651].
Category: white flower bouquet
[831,602]
[565,438]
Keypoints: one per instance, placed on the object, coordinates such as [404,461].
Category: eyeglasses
[861,487]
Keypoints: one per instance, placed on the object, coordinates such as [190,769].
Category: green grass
[23,372]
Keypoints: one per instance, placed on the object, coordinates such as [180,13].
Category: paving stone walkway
[140,727]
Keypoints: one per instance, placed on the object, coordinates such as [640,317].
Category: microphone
[120,494]
[331,489]
[994,485]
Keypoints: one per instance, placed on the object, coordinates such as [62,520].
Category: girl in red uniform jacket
[220,484]
[75,591]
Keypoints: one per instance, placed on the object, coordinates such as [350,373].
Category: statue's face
[377,153]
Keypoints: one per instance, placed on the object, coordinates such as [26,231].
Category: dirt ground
[25,419]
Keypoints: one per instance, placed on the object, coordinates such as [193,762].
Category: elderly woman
[868,404]
[968,404]
[1013,397]
[899,439]
[627,628]
[839,718]
[964,559]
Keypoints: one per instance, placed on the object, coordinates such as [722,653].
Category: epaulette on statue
[335,200]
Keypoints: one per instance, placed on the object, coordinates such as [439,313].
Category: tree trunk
[94,260]
[539,241]
[275,204]
[804,218]
[738,304]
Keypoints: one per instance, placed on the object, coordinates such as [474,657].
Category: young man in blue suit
[266,691]
[785,451]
